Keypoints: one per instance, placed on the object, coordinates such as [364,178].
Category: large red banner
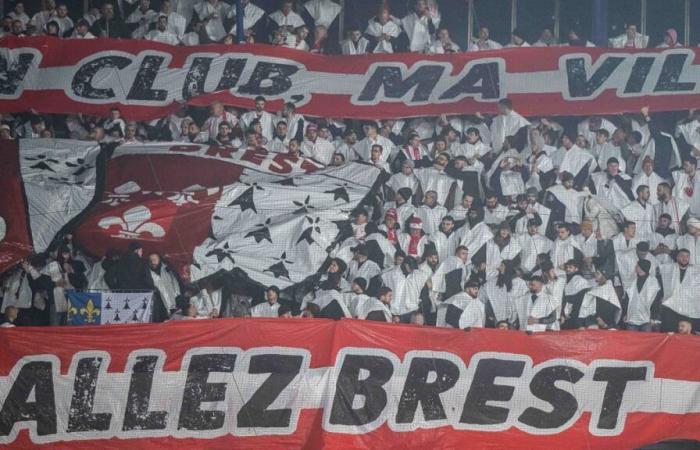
[266,383]
[148,80]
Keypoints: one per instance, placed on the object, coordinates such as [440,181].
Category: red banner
[148,80]
[263,383]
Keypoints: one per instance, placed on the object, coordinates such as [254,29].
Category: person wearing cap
[601,305]
[612,185]
[361,266]
[687,185]
[357,298]
[565,202]
[270,306]
[680,282]
[663,242]
[532,243]
[5,132]
[574,290]
[641,296]
[131,272]
[161,33]
[517,39]
[414,241]
[390,227]
[641,212]
[406,282]
[691,240]
[463,310]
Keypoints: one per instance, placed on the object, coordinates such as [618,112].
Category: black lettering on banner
[671,73]
[617,379]
[483,389]
[198,391]
[142,89]
[579,83]
[81,417]
[282,369]
[564,405]
[482,79]
[639,74]
[231,74]
[82,80]
[36,377]
[196,76]
[395,86]
[12,73]
[137,416]
[349,385]
[418,390]
[276,74]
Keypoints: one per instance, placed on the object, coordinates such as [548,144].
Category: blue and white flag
[101,308]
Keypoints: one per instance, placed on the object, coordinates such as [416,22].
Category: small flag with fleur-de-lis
[100,308]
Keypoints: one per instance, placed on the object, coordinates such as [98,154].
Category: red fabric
[16,244]
[56,94]
[324,340]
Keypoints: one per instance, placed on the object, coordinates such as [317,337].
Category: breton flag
[104,308]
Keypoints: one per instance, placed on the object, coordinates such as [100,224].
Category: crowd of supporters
[309,26]
[537,223]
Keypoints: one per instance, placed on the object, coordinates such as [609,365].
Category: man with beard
[574,292]
[494,213]
[565,202]
[537,310]
[435,179]
[681,283]
[445,239]
[345,146]
[477,234]
[601,305]
[676,208]
[223,137]
[641,212]
[463,310]
[532,244]
[663,242]
[502,289]
[453,272]
[641,297]
[502,247]
[691,240]
[406,282]
[167,287]
[377,308]
[265,118]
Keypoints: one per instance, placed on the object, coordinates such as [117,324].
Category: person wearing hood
[361,266]
[475,237]
[670,39]
[406,282]
[641,298]
[680,282]
[167,287]
[413,243]
[503,287]
[574,291]
[131,272]
[601,305]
